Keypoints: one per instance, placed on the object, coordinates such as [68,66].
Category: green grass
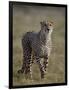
[30,21]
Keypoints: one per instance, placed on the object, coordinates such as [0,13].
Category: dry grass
[27,18]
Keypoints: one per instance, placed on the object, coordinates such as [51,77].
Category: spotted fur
[40,44]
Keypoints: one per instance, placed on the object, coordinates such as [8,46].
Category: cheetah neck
[45,39]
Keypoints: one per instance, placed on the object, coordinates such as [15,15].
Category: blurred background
[27,18]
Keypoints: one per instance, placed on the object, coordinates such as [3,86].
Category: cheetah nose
[48,29]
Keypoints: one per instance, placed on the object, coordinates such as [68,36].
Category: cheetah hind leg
[45,63]
[32,57]
[22,69]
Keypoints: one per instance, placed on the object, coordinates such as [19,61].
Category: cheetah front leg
[45,63]
[41,67]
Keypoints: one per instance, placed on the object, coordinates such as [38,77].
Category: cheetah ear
[41,23]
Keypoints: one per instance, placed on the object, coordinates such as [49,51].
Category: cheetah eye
[45,30]
[45,24]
